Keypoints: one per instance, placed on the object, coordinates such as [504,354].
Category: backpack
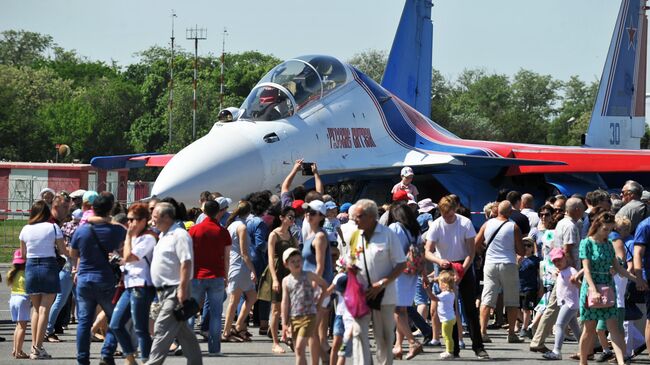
[415,258]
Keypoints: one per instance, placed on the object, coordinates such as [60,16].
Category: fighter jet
[361,133]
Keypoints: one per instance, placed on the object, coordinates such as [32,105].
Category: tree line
[50,95]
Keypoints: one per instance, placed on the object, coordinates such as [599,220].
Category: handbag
[354,296]
[186,310]
[606,299]
[115,266]
[60,260]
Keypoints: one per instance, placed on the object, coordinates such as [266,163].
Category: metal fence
[22,193]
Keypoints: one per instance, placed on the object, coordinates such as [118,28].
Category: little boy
[299,305]
[528,285]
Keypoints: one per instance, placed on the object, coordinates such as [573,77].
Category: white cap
[316,205]
[224,202]
[407,171]
[77,193]
[288,252]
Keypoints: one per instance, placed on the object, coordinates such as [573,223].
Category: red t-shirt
[209,239]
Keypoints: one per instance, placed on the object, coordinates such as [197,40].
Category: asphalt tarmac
[259,351]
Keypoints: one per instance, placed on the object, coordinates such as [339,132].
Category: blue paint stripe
[399,128]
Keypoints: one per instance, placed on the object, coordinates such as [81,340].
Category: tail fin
[618,118]
[408,71]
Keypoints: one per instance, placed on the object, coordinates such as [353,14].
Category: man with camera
[92,244]
[171,272]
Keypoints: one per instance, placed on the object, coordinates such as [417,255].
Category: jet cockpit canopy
[292,85]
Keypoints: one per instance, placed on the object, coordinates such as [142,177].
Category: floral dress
[600,256]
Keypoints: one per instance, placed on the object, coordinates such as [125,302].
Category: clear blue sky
[556,37]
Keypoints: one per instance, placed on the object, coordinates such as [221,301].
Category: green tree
[23,48]
[371,62]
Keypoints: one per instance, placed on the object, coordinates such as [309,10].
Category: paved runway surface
[259,351]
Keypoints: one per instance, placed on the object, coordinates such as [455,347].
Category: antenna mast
[171,81]
[223,61]
[196,34]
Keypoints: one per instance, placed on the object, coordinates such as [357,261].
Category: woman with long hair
[139,291]
[280,240]
[241,276]
[598,256]
[38,240]
[403,222]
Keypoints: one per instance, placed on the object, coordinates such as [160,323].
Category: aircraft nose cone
[222,161]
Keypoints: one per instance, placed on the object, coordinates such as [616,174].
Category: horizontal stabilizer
[131,161]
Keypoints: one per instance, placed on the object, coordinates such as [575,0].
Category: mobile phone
[306,169]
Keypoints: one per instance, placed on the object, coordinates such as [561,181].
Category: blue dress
[405,283]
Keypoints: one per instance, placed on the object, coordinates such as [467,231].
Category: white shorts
[20,307]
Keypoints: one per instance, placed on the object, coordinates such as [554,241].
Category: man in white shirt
[452,235]
[567,231]
[171,272]
[380,258]
[528,209]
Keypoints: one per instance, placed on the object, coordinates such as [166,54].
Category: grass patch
[9,242]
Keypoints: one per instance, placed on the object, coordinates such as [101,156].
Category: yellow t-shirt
[18,285]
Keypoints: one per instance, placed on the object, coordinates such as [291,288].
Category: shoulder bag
[373,303]
[60,260]
[115,267]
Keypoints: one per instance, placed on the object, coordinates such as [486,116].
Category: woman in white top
[139,290]
[37,242]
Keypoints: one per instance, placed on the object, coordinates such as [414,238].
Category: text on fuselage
[350,138]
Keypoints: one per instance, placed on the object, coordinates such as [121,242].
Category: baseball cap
[89,196]
[557,253]
[18,258]
[345,207]
[46,190]
[288,252]
[77,214]
[316,205]
[401,195]
[426,205]
[77,193]
[330,205]
[297,206]
[407,171]
[224,202]
[645,196]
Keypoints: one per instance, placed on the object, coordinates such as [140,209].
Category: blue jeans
[65,280]
[134,303]
[89,295]
[214,288]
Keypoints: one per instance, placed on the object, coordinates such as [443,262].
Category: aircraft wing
[131,161]
[580,160]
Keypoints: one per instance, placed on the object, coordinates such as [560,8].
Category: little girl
[447,310]
[567,299]
[19,304]
[299,305]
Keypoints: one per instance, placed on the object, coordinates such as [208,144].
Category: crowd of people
[314,276]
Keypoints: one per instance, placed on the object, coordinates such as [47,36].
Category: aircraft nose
[223,161]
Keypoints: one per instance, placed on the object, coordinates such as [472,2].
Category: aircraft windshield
[308,78]
[267,103]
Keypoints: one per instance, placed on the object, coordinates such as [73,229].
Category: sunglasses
[131,219]
[311,211]
[292,217]
[558,210]
[609,218]
[544,214]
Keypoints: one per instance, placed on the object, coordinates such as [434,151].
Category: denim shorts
[42,276]
[421,296]
[339,327]
[20,307]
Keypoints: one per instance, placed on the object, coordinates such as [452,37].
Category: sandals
[289,343]
[52,338]
[20,355]
[414,351]
[397,355]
